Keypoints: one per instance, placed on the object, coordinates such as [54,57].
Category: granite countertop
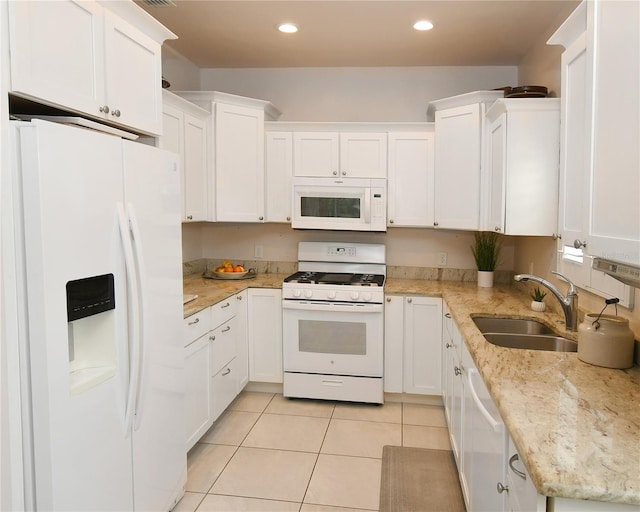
[576,426]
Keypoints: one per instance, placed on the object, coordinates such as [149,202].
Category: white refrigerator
[98,242]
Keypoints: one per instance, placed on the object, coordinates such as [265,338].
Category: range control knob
[308,294]
[331,294]
[297,293]
[366,297]
[355,295]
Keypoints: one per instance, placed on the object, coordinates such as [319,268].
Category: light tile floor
[270,453]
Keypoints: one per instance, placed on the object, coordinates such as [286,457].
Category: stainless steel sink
[511,325]
[532,341]
[522,333]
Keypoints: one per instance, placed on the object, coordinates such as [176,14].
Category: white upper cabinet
[316,154]
[334,154]
[363,155]
[239,163]
[523,144]
[459,159]
[236,173]
[411,179]
[185,133]
[614,40]
[278,175]
[102,62]
[600,162]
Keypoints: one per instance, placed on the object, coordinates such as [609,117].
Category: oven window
[325,337]
[330,207]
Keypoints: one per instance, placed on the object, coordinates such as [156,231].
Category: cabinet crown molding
[208,97]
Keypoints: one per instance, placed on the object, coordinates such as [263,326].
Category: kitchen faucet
[569,303]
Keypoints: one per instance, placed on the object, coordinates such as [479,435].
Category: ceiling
[335,33]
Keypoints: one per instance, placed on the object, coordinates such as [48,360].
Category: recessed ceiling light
[288,28]
[423,25]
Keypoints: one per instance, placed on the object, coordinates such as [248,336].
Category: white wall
[181,73]
[393,94]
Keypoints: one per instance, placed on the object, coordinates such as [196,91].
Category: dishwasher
[485,456]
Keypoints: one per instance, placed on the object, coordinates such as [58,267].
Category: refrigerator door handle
[140,272]
[132,286]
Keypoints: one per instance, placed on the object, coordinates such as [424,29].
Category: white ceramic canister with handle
[605,340]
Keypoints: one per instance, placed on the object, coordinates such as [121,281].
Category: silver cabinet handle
[512,460]
[457,370]
[226,329]
[448,315]
[261,217]
[115,113]
[226,372]
[335,173]
[225,305]
[288,218]
[104,109]
[409,300]
[578,244]
[390,221]
[344,173]
[502,488]
[239,297]
[212,338]
[435,224]
[448,345]
[497,229]
[189,217]
[388,299]
[194,322]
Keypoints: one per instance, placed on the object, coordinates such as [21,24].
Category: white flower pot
[485,279]
[538,306]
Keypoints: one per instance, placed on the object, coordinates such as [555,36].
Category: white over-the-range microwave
[355,204]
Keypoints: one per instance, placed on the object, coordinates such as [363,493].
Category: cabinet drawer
[196,325]
[223,311]
[223,344]
[224,388]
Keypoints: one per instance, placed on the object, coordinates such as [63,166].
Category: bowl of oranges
[229,270]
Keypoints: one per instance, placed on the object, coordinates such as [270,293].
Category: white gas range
[333,311]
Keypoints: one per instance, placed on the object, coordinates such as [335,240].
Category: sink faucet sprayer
[569,303]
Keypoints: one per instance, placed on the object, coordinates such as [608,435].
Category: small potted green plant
[537,302]
[486,250]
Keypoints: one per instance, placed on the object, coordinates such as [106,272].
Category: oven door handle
[340,307]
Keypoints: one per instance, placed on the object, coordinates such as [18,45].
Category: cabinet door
[239,163]
[411,179]
[614,222]
[393,343]
[363,155]
[497,144]
[133,76]
[315,154]
[447,348]
[265,335]
[574,142]
[198,399]
[279,173]
[242,339]
[457,167]
[173,139]
[456,389]
[57,53]
[423,345]
[195,170]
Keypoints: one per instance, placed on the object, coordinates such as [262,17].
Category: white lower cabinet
[215,361]
[413,334]
[265,335]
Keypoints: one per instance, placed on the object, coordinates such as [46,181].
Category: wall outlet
[442,259]
[258,251]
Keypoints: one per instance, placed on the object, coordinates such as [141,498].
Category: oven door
[333,338]
[342,204]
